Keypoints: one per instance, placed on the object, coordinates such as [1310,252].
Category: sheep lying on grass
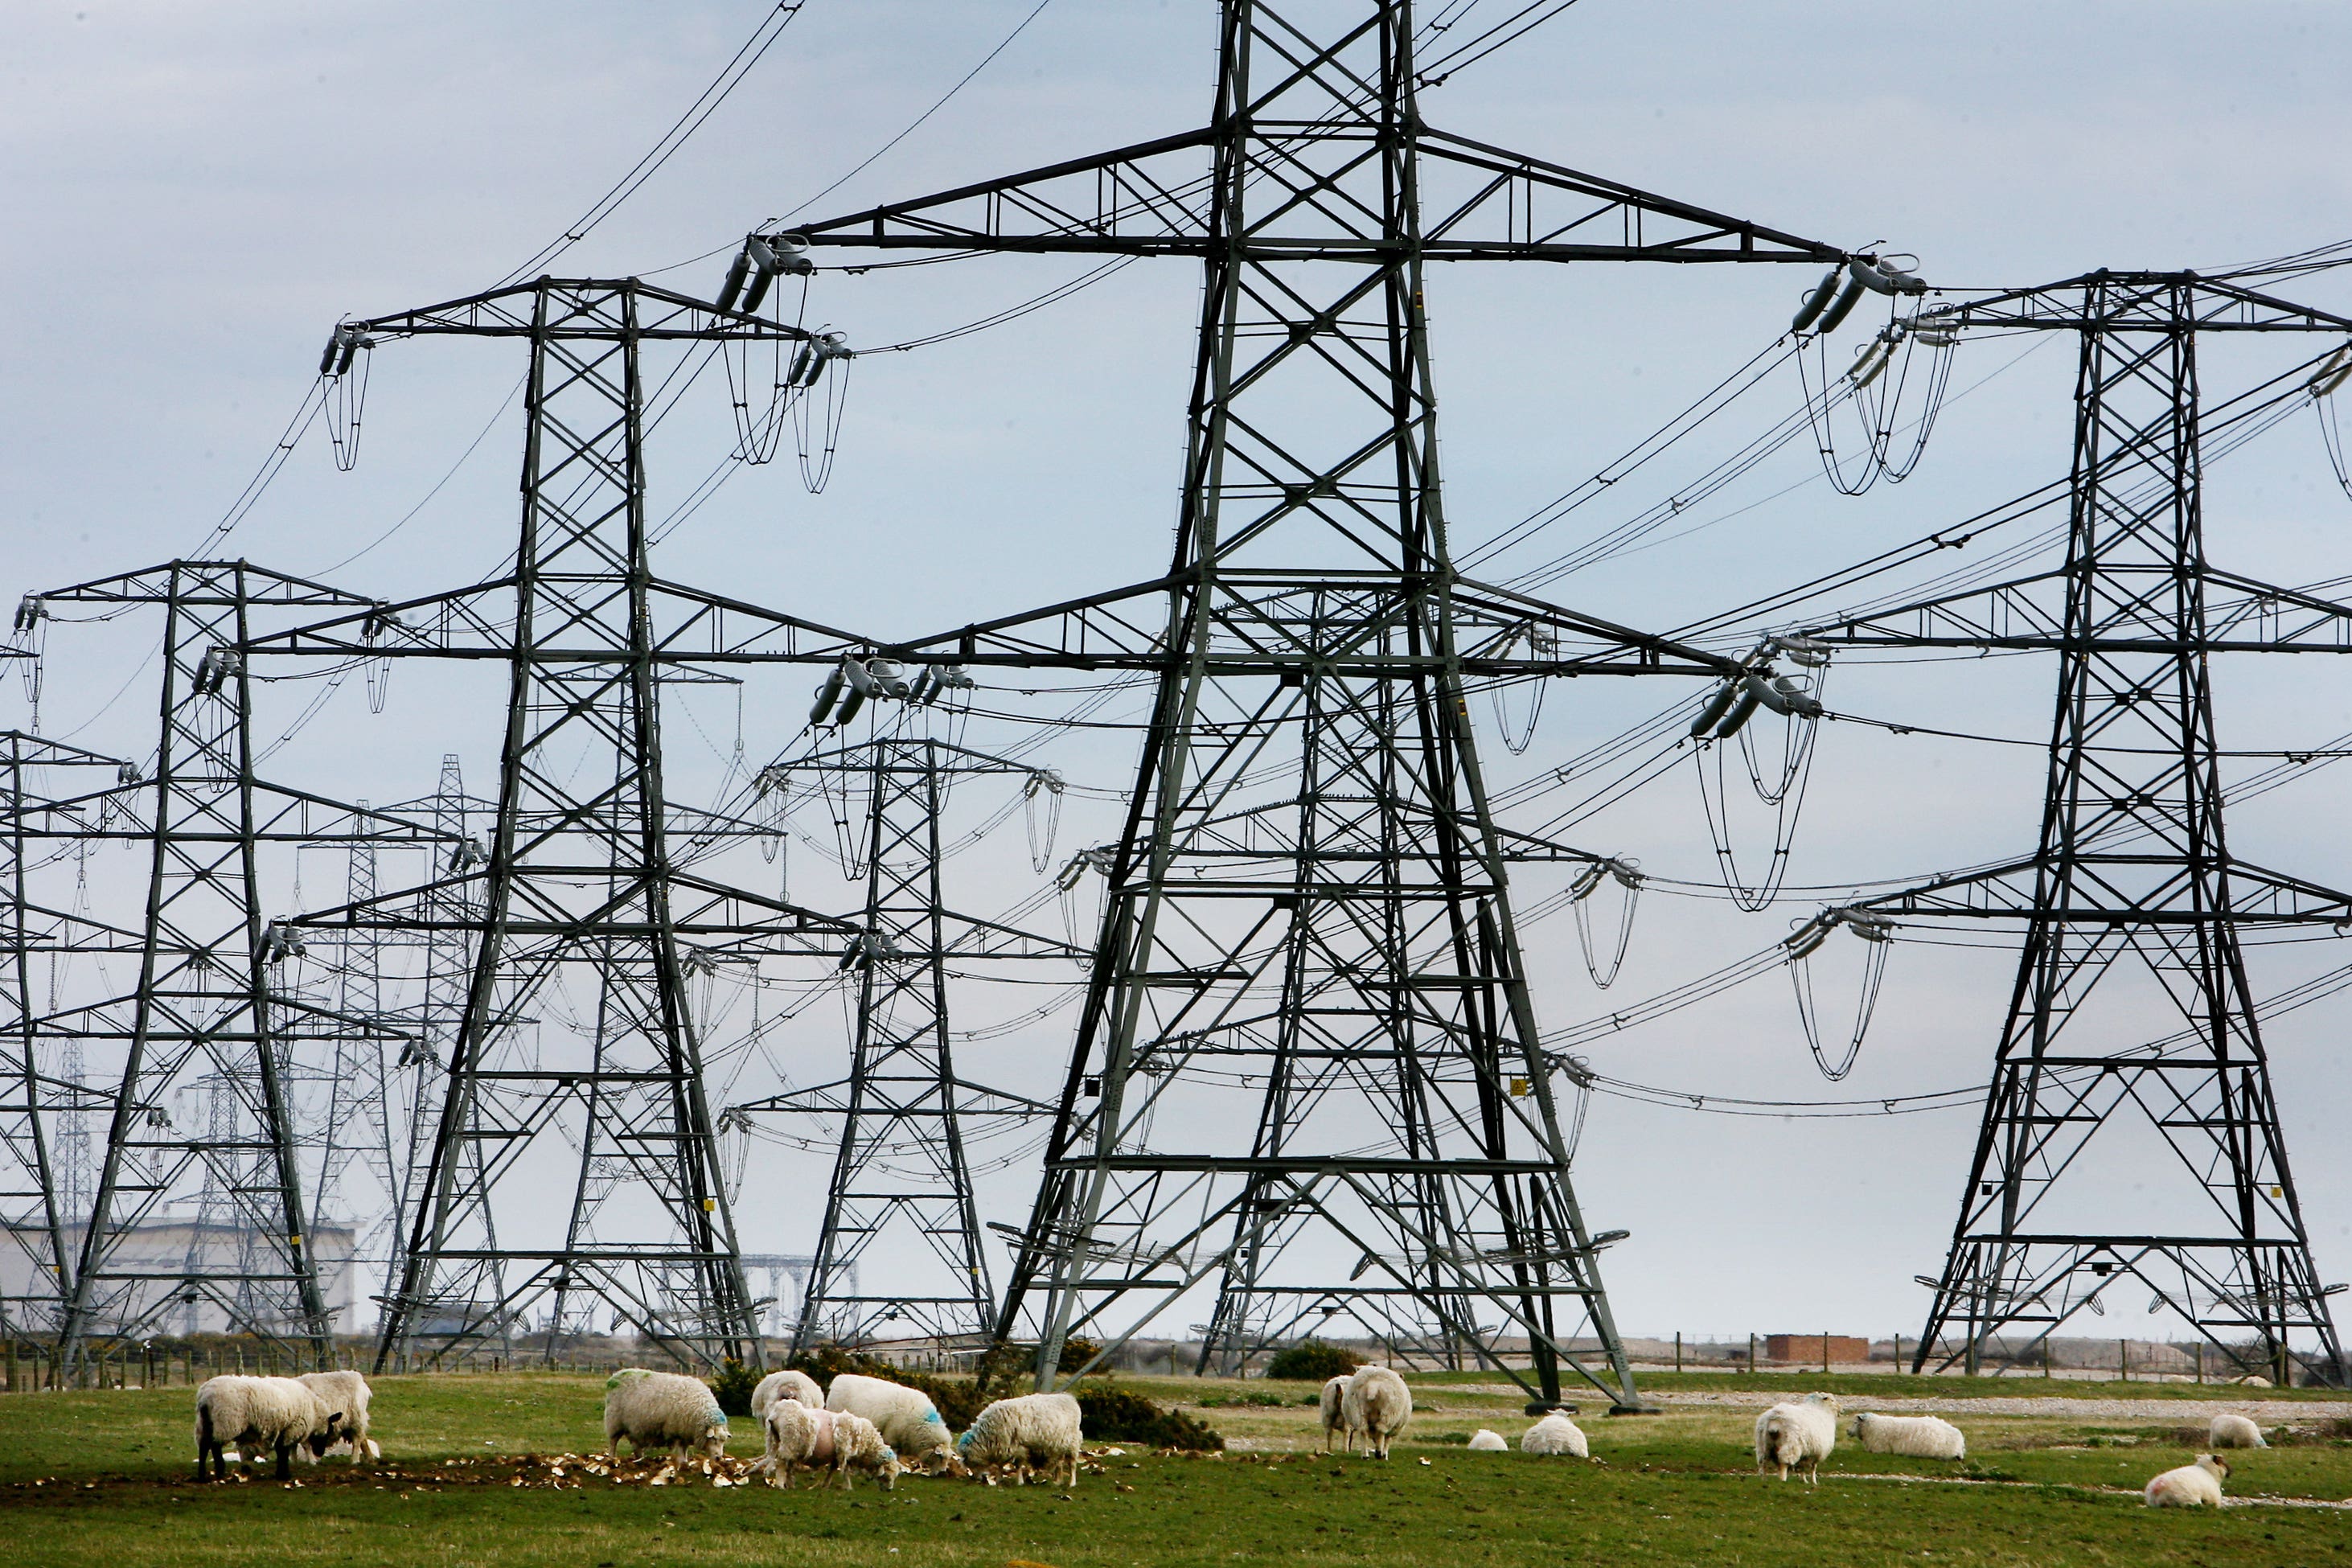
[1032,1431]
[905,1417]
[1484,1441]
[1919,1437]
[1379,1404]
[255,1413]
[1801,1433]
[1335,1413]
[2190,1486]
[835,1441]
[778,1385]
[2233,1431]
[1555,1433]
[349,1392]
[663,1410]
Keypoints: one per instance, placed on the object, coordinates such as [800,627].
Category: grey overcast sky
[196,194]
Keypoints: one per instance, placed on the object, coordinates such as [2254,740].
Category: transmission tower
[902,1186]
[576,1059]
[1307,1067]
[205,1007]
[2133,891]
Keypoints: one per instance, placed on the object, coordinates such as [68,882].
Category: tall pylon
[1307,1069]
[2133,894]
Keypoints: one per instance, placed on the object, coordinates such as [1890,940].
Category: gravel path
[2177,1410]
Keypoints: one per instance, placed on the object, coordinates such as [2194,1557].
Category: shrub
[1312,1360]
[733,1385]
[1115,1415]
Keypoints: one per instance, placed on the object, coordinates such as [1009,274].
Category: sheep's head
[714,1440]
[2213,1462]
[326,1437]
[1827,1401]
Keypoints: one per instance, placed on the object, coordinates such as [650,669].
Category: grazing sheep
[1800,1433]
[1031,1430]
[1556,1434]
[663,1410]
[1335,1415]
[2229,1431]
[1919,1437]
[906,1417]
[349,1392]
[2190,1486]
[1377,1405]
[835,1441]
[778,1385]
[1483,1441]
[257,1413]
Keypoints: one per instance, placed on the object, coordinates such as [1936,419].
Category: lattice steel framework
[2133,877]
[1307,1068]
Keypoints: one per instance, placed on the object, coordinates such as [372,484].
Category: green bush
[1312,1360]
[1115,1415]
[733,1385]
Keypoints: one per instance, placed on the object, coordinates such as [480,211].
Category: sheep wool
[1335,1413]
[905,1417]
[1556,1434]
[1032,1431]
[1919,1437]
[1483,1441]
[349,1392]
[1797,1433]
[827,1440]
[2190,1486]
[1379,1404]
[250,1413]
[2233,1431]
[664,1410]
[778,1385]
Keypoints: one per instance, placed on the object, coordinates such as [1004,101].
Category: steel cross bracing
[577,1059]
[205,1007]
[2133,883]
[1307,1071]
[901,1187]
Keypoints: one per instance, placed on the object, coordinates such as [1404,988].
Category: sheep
[255,1413]
[663,1410]
[835,1441]
[2229,1431]
[787,1385]
[906,1417]
[1483,1441]
[1028,1430]
[1801,1433]
[1556,1434]
[348,1392]
[2190,1486]
[1335,1415]
[1379,1404]
[1919,1437]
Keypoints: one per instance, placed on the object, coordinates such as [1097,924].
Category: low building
[179,1277]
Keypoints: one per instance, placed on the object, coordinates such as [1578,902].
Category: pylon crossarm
[665,315]
[2108,301]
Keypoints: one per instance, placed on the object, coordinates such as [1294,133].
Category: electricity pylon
[1307,1066]
[2133,891]
[902,1186]
[576,1063]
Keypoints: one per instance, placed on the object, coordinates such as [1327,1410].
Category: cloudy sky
[197,193]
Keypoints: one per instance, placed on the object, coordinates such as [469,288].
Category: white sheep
[2232,1431]
[663,1410]
[1379,1404]
[835,1441]
[1802,1432]
[349,1392]
[1484,1441]
[255,1413]
[906,1417]
[785,1384]
[1556,1434]
[1919,1437]
[1030,1430]
[1335,1413]
[2190,1486]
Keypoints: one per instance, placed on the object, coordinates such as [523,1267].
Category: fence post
[1825,1355]
[1678,1350]
[1751,1353]
[2123,1358]
[2201,1360]
[1898,1353]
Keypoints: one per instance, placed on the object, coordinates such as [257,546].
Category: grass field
[105,1478]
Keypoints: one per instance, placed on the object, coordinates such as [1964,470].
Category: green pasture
[105,1478]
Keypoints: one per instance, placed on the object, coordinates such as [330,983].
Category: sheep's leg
[285,1461]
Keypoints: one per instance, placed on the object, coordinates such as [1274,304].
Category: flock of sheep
[880,1429]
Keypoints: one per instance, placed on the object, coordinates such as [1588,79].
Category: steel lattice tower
[2133,889]
[1307,1067]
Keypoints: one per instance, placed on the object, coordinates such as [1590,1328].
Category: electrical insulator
[825,695]
[1842,306]
[1717,706]
[736,271]
[1818,301]
[1742,711]
[2332,371]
